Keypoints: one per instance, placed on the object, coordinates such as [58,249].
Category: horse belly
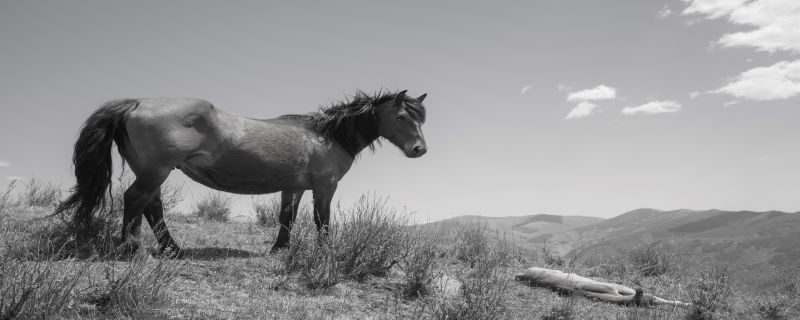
[246,173]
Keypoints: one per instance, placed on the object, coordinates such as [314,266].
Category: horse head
[400,120]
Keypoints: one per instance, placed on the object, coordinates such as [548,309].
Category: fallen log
[570,283]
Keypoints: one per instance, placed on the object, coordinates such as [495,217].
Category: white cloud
[775,82]
[664,12]
[563,88]
[693,94]
[654,107]
[730,103]
[584,109]
[600,92]
[774,24]
[526,88]
[4,164]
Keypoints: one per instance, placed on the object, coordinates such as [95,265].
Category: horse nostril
[420,150]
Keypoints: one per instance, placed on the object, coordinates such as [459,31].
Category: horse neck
[362,137]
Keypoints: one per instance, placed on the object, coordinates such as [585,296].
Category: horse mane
[347,119]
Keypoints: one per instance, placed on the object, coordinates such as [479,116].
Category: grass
[266,210]
[40,194]
[372,265]
[214,206]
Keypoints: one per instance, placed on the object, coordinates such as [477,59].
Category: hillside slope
[756,245]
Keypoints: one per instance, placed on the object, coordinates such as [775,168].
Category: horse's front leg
[290,202]
[323,193]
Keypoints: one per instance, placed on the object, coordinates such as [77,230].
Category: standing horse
[291,154]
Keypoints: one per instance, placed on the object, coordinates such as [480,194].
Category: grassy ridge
[371,265]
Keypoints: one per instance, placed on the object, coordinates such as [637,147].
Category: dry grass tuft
[41,194]
[710,293]
[215,206]
[137,291]
[37,290]
[266,211]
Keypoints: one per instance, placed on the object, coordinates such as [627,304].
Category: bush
[137,290]
[482,298]
[370,238]
[710,293]
[41,194]
[367,241]
[37,290]
[471,243]
[650,261]
[312,255]
[214,206]
[267,211]
[419,264]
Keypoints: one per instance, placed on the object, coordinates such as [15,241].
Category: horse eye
[400,117]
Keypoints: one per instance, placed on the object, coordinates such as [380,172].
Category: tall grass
[40,194]
[367,240]
[214,206]
[137,290]
[419,265]
[710,293]
[6,196]
[37,289]
[371,238]
[266,211]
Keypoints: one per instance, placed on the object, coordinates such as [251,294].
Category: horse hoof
[170,252]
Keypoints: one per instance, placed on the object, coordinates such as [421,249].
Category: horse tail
[92,159]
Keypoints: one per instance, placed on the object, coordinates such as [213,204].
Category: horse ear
[400,98]
[422,97]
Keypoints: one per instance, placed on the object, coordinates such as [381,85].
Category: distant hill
[756,245]
[530,231]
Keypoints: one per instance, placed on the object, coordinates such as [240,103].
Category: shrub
[267,211]
[419,264]
[471,243]
[551,258]
[482,298]
[314,257]
[710,293]
[370,238]
[37,290]
[650,261]
[41,194]
[214,206]
[137,290]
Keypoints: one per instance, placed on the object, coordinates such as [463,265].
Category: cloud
[14,178]
[5,164]
[563,87]
[664,12]
[654,107]
[730,103]
[775,82]
[693,94]
[584,109]
[600,92]
[526,88]
[774,24]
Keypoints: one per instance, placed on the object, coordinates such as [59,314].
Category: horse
[288,154]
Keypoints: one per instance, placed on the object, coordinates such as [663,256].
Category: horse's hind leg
[138,197]
[154,213]
[290,203]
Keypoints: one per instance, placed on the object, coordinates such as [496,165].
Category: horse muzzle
[416,151]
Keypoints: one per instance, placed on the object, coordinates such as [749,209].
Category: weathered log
[570,283]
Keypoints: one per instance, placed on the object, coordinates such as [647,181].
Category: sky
[561,107]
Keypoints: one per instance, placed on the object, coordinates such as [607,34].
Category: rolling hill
[756,245]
